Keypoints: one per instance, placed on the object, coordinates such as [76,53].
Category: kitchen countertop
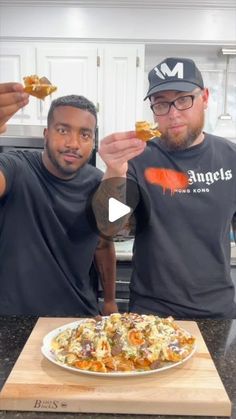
[23,136]
[124,250]
[219,335]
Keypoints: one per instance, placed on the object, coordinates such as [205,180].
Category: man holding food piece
[12,98]
[181,260]
[49,253]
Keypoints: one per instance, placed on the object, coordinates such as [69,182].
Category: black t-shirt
[46,243]
[182,258]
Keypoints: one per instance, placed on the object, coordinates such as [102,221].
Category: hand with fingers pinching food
[117,149]
[12,98]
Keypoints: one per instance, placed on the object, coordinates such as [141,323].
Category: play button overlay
[118,209]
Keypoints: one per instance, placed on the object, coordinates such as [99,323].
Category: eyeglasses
[181,104]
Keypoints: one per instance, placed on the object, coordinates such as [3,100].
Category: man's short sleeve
[8,166]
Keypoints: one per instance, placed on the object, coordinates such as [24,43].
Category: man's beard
[175,143]
[65,171]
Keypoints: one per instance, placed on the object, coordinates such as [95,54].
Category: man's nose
[173,110]
[73,140]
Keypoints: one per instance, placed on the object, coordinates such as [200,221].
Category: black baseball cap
[179,74]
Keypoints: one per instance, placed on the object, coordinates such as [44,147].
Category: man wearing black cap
[181,81]
[182,258]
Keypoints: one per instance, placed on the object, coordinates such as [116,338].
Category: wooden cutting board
[36,384]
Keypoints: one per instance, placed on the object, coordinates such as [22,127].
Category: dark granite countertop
[219,335]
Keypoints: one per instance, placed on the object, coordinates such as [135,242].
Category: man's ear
[45,133]
[205,97]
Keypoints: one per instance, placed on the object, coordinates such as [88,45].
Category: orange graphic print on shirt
[166,178]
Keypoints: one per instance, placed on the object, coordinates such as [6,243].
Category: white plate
[48,353]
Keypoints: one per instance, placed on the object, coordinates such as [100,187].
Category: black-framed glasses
[181,104]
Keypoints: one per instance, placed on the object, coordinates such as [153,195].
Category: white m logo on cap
[165,71]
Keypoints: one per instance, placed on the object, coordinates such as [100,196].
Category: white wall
[162,25]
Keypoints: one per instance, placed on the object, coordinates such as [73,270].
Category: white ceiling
[157,4]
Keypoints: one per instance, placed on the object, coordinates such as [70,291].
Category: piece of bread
[38,87]
[145,131]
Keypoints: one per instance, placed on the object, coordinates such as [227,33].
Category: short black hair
[76,101]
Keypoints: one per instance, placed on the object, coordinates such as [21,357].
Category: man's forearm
[105,259]
[113,188]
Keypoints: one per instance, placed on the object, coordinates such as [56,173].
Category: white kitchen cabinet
[16,61]
[111,75]
[121,87]
[73,69]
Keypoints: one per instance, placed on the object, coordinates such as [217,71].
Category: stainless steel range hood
[30,136]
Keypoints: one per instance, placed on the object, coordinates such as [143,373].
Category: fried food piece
[98,366]
[83,364]
[109,363]
[124,364]
[38,87]
[135,337]
[145,131]
[142,363]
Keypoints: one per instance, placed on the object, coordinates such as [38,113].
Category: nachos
[122,343]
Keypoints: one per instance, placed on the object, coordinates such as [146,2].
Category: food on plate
[122,343]
[145,131]
[38,87]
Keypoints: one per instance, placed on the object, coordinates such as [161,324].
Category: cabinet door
[17,61]
[72,69]
[121,95]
